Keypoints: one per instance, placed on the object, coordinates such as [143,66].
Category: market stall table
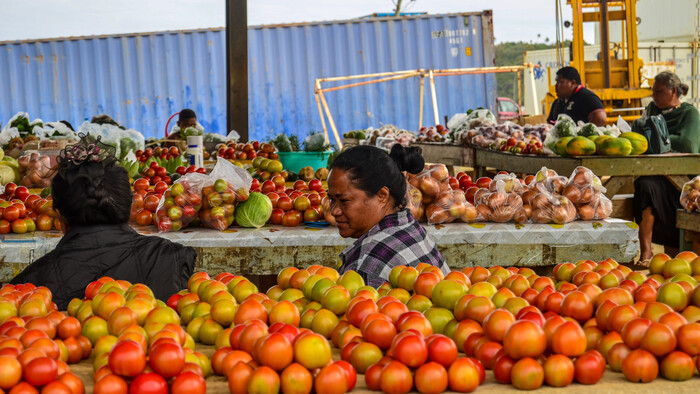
[621,170]
[265,251]
[688,223]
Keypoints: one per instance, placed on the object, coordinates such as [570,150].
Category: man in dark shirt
[575,100]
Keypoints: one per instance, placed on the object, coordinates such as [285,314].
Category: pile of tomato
[22,212]
[422,330]
[296,205]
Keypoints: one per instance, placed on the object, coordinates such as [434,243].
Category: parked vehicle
[507,109]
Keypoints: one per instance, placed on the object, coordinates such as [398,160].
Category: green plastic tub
[295,161]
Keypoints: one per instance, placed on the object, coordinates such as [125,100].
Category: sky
[514,20]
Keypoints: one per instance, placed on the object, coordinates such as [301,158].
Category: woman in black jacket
[91,193]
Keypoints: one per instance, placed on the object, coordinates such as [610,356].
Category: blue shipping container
[141,79]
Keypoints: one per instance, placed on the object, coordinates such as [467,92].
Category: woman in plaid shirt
[368,201]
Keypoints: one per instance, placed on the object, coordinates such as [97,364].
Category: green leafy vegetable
[255,211]
[316,142]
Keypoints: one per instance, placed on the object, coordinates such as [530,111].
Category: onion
[587,194]
[541,216]
[559,215]
[586,212]
[582,179]
[540,201]
[484,211]
[573,193]
[520,216]
[528,196]
[496,200]
[528,210]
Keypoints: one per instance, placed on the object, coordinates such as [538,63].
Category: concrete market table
[265,251]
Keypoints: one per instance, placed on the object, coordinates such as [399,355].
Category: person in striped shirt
[367,191]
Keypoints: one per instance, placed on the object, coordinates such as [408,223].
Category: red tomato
[527,374]
[316,185]
[127,358]
[411,351]
[111,384]
[465,181]
[149,383]
[291,218]
[11,213]
[502,366]
[11,372]
[350,373]
[558,371]
[524,339]
[442,350]
[267,187]
[21,193]
[577,305]
[483,182]
[285,203]
[40,371]
[453,182]
[5,226]
[658,339]
[640,366]
[167,360]
[160,187]
[277,215]
[161,172]
[569,339]
[188,383]
[141,184]
[314,198]
[431,378]
[463,375]
[589,368]
[396,378]
[300,185]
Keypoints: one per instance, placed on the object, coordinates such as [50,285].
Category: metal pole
[605,42]
[420,111]
[432,92]
[237,67]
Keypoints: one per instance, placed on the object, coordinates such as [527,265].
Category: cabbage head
[565,127]
[589,129]
[255,211]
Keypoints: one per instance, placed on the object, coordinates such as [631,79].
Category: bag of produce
[553,182]
[181,203]
[450,206]
[226,185]
[551,208]
[432,181]
[690,195]
[38,170]
[498,206]
[414,201]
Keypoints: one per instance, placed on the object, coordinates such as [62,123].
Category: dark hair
[672,81]
[371,168]
[569,73]
[186,114]
[101,195]
[104,119]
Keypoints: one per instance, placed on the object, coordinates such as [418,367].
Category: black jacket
[86,254]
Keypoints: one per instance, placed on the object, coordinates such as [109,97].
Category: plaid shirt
[396,240]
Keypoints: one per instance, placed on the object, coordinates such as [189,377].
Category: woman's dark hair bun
[408,159]
[683,89]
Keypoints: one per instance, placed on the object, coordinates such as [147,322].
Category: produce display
[690,195]
[249,151]
[422,330]
[432,198]
[22,212]
[567,138]
[433,134]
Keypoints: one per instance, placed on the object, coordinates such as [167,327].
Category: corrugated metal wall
[141,79]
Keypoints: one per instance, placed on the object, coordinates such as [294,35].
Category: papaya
[580,146]
[639,142]
[616,147]
[599,143]
[560,146]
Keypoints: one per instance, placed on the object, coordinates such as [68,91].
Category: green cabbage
[588,130]
[255,211]
[565,127]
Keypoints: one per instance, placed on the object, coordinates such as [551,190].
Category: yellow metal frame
[621,88]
